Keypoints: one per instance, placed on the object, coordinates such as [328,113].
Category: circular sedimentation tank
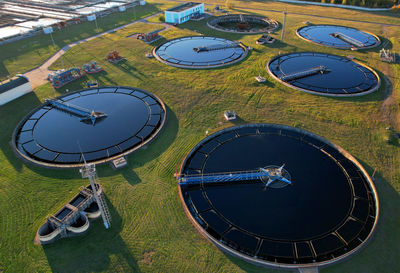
[243,24]
[327,212]
[199,52]
[97,124]
[338,36]
[323,74]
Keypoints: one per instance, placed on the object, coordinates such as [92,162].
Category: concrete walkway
[309,270]
[38,76]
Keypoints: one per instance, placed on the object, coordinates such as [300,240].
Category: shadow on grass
[153,150]
[103,79]
[384,42]
[383,241]
[250,268]
[3,71]
[148,153]
[129,69]
[281,45]
[267,83]
[92,251]
[11,114]
[238,121]
[381,94]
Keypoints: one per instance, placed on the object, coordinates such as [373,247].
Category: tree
[344,2]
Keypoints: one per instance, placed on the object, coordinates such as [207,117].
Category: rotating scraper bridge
[84,114]
[270,173]
[304,73]
[348,39]
[215,47]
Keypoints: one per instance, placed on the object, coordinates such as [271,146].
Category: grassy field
[150,231]
[40,47]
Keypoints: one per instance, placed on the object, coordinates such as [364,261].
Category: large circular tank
[243,24]
[96,125]
[338,36]
[323,74]
[327,212]
[199,52]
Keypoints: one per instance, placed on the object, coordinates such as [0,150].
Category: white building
[14,88]
[184,12]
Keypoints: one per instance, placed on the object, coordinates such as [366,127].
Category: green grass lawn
[37,49]
[150,231]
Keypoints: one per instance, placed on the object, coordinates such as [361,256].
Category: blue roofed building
[184,12]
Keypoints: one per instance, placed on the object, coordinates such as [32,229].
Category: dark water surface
[344,76]
[50,134]
[180,51]
[316,214]
[321,34]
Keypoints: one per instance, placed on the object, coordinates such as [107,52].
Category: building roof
[12,83]
[184,6]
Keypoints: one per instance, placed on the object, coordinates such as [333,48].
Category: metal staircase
[89,171]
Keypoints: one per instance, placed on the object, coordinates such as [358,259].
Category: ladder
[89,171]
[107,215]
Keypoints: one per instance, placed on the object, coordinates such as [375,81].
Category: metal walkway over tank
[304,73]
[347,39]
[215,47]
[85,114]
[267,176]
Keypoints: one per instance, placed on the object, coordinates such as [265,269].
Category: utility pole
[134,9]
[51,36]
[95,20]
[283,26]
[134,12]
